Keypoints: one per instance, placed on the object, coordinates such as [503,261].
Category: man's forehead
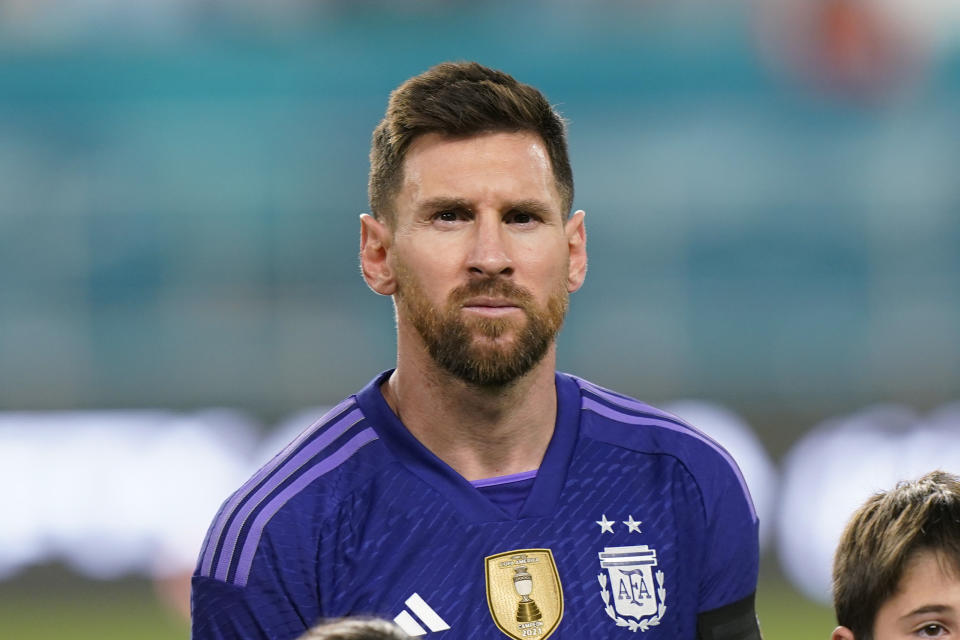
[439,166]
[439,138]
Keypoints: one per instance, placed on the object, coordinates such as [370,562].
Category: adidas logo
[427,616]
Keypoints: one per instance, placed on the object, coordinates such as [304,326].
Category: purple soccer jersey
[634,523]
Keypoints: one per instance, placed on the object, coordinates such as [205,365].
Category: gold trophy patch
[524,593]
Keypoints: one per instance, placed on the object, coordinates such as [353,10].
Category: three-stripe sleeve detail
[231,544]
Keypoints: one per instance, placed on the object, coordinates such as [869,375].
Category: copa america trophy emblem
[524,593]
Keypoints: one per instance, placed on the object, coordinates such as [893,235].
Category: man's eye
[447,216]
[521,217]
[932,630]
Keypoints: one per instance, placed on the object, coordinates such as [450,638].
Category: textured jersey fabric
[634,524]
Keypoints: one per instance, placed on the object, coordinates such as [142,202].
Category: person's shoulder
[622,421]
[340,444]
[616,406]
[614,416]
[304,483]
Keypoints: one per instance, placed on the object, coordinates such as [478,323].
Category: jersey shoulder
[304,483]
[621,421]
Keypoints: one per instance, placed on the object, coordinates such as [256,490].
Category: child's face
[926,604]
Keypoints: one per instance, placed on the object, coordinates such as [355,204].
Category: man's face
[926,604]
[481,253]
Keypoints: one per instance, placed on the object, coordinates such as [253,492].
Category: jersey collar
[544,496]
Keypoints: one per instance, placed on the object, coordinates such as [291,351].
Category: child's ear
[842,633]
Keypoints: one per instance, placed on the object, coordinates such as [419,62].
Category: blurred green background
[770,190]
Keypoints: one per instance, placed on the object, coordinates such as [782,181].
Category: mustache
[493,287]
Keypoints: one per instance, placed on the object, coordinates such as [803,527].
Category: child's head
[896,573]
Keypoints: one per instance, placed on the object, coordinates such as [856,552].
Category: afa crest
[632,592]
[524,593]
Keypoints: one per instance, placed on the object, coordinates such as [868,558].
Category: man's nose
[489,253]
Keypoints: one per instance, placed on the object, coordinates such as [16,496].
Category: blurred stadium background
[772,199]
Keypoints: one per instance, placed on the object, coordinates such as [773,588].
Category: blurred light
[832,470]
[116,492]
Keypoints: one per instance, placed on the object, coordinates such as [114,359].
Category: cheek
[431,275]
[550,270]
[430,253]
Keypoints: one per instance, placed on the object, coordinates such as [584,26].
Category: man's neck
[480,432]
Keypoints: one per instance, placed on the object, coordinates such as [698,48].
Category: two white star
[606,526]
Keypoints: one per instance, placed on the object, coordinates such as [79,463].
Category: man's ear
[576,234]
[375,239]
[842,633]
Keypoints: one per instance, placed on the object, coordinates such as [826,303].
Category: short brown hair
[884,535]
[461,99]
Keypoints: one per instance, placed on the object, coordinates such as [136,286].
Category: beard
[479,350]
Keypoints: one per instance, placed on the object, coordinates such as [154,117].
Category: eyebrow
[444,202]
[532,206]
[929,608]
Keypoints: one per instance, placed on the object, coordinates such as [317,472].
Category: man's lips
[486,301]
[490,306]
